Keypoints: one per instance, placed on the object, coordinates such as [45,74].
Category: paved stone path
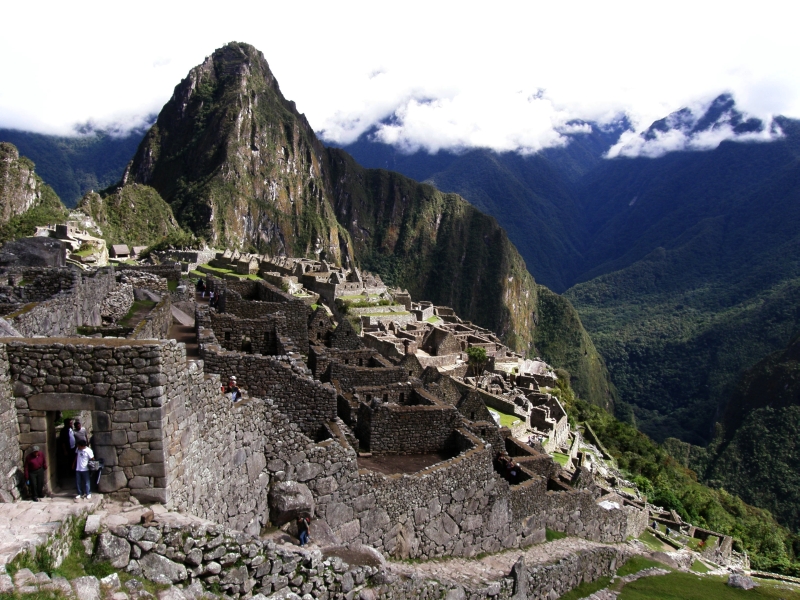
[475,572]
[25,525]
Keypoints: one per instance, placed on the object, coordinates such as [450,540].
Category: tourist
[81,433]
[81,466]
[35,466]
[303,522]
[211,301]
[233,389]
[66,448]
[201,287]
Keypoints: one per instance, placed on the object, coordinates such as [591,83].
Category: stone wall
[155,326]
[194,551]
[352,376]
[395,429]
[320,357]
[77,304]
[170,271]
[10,455]
[144,280]
[34,284]
[307,402]
[295,311]
[456,508]
[123,383]
[577,513]
[254,336]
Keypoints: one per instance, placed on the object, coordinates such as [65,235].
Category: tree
[476,358]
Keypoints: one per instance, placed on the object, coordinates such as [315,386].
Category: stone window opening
[402,397]
[360,362]
[386,397]
[227,336]
[369,397]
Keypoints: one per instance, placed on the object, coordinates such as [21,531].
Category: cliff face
[25,200]
[443,249]
[237,163]
[20,188]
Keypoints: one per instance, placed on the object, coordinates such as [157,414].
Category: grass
[636,564]
[135,307]
[560,458]
[586,589]
[506,420]
[699,567]
[172,285]
[384,314]
[686,586]
[652,542]
[552,535]
[433,319]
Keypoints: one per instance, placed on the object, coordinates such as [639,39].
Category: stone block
[137,482]
[150,495]
[162,570]
[110,438]
[130,458]
[108,454]
[87,588]
[151,470]
[151,414]
[114,550]
[112,482]
[34,437]
[38,424]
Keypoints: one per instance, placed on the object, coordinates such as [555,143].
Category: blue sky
[505,75]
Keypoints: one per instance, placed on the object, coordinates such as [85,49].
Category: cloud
[519,76]
[699,127]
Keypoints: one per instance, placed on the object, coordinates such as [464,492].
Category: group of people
[212,298]
[73,454]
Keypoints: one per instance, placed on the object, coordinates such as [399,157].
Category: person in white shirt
[81,465]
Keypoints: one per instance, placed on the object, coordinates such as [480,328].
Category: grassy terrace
[506,420]
[218,271]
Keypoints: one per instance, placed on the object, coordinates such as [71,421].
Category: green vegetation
[476,358]
[668,483]
[699,567]
[139,308]
[74,165]
[586,589]
[636,564]
[552,535]
[652,542]
[560,458]
[686,586]
[506,420]
[135,215]
[47,210]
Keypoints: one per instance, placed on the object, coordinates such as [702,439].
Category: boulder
[162,570]
[114,550]
[111,582]
[86,588]
[741,581]
[288,500]
[171,593]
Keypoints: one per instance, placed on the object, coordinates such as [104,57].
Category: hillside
[133,214]
[756,453]
[93,159]
[25,200]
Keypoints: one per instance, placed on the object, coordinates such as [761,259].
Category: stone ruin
[322,406]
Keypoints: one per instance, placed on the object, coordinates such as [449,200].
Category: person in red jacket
[35,466]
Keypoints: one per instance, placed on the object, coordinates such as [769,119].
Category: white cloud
[451,76]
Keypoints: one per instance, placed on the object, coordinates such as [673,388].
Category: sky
[419,75]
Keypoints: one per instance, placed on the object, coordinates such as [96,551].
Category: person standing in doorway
[81,433]
[302,529]
[81,466]
[35,466]
[66,448]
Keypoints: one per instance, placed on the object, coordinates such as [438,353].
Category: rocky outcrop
[20,188]
[237,163]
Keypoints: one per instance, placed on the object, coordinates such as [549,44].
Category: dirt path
[186,335]
[391,464]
